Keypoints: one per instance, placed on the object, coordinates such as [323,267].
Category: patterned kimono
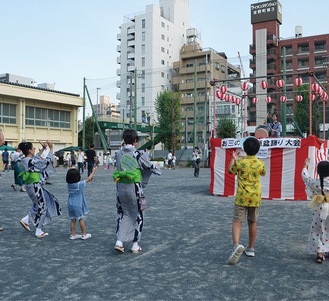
[130,217]
[319,233]
[45,205]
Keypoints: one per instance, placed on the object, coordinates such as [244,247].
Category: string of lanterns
[316,88]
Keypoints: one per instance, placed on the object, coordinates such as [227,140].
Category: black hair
[130,136]
[91,146]
[25,147]
[251,146]
[275,114]
[73,176]
[323,171]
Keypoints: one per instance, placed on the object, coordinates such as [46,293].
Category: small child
[318,191]
[248,196]
[77,204]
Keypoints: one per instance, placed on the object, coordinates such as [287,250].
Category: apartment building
[193,73]
[271,54]
[149,44]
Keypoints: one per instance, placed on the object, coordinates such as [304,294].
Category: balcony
[131,68]
[131,55]
[118,48]
[119,36]
[118,72]
[118,84]
[118,97]
[252,64]
[119,60]
[131,30]
[131,43]
[252,49]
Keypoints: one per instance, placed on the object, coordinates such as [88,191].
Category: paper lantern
[223,89]
[219,94]
[254,100]
[319,91]
[299,98]
[283,98]
[233,99]
[268,99]
[244,86]
[237,101]
[280,83]
[227,97]
[315,87]
[313,97]
[264,84]
[298,82]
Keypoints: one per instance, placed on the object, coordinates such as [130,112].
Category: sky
[63,41]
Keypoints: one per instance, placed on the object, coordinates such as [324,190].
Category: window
[143,88]
[162,25]
[189,80]
[190,65]
[7,113]
[143,49]
[143,100]
[143,36]
[217,66]
[163,49]
[162,87]
[222,68]
[162,74]
[303,63]
[162,62]
[143,23]
[303,48]
[320,46]
[163,37]
[143,61]
[47,117]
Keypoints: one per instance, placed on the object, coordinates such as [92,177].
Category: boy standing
[248,196]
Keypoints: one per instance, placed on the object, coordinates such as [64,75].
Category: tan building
[33,114]
[196,68]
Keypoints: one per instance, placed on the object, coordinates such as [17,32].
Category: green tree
[302,113]
[89,128]
[168,108]
[226,128]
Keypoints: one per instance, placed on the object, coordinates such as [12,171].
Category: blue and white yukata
[45,205]
[130,217]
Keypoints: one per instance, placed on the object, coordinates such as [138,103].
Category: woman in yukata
[35,172]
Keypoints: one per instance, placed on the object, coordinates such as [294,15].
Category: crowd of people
[133,170]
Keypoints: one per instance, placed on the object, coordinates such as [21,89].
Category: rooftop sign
[266,11]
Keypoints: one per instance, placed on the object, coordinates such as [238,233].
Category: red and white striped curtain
[283,179]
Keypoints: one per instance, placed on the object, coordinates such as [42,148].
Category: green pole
[84,114]
[135,99]
[283,104]
[194,109]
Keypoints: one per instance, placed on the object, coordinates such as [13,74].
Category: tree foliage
[89,128]
[168,108]
[226,128]
[301,121]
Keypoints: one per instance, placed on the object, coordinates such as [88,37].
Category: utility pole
[283,107]
[97,111]
[195,108]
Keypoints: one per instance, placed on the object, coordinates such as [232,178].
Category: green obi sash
[133,176]
[29,177]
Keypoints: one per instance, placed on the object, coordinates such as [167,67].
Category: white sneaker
[84,237]
[234,258]
[250,252]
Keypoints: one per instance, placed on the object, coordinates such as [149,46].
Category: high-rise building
[149,44]
[193,73]
[274,56]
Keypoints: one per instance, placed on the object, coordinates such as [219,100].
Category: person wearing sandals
[133,172]
[318,191]
[77,204]
[248,196]
[35,171]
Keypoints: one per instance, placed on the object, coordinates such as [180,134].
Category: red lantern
[298,82]
[264,84]
[254,100]
[219,94]
[319,90]
[283,98]
[313,97]
[324,96]
[227,97]
[299,98]
[244,86]
[233,99]
[237,101]
[223,89]
[280,83]
[315,87]
[268,99]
